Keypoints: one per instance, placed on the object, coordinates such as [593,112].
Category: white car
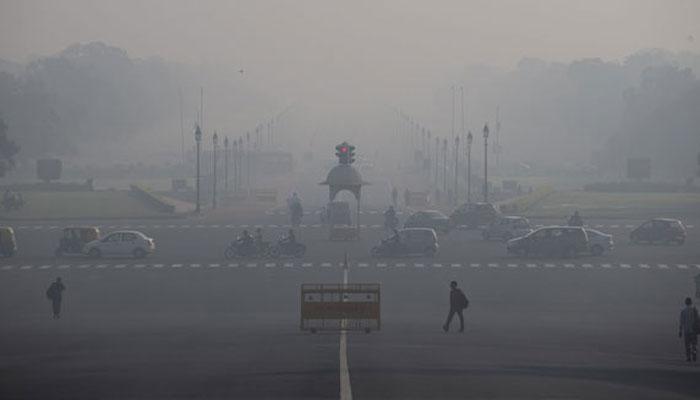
[121,243]
[599,242]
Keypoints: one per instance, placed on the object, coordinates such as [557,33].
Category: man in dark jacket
[458,302]
[55,294]
[687,329]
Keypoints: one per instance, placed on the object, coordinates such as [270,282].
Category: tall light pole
[437,161]
[198,141]
[240,162]
[247,138]
[456,189]
[215,142]
[486,163]
[470,138]
[226,150]
[234,155]
[444,166]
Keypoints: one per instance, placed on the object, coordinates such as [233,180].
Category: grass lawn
[98,204]
[617,205]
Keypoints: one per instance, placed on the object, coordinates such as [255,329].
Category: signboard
[353,306]
[639,168]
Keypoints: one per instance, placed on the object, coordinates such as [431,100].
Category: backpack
[465,301]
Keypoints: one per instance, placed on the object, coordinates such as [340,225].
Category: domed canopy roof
[344,175]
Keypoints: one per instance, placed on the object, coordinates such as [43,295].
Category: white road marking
[475,265]
[512,265]
[437,265]
[139,266]
[586,265]
[233,265]
[7,267]
[381,265]
[569,265]
[682,266]
[663,266]
[493,265]
[625,266]
[400,265]
[195,265]
[455,265]
[176,266]
[605,265]
[550,265]
[214,265]
[363,265]
[45,266]
[63,266]
[251,265]
[158,265]
[101,266]
[118,266]
[289,265]
[83,266]
[270,265]
[644,266]
[326,264]
[25,267]
[419,265]
[307,264]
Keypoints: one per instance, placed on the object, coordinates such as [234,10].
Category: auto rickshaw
[8,244]
[74,238]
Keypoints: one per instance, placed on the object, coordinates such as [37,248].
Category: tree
[8,150]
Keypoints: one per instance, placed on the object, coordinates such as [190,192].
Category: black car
[473,215]
[659,230]
[429,219]
[564,241]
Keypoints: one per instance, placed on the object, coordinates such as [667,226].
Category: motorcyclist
[291,238]
[395,239]
[245,239]
[575,220]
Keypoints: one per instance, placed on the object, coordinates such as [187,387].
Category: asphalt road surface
[186,323]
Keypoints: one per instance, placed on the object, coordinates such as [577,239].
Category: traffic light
[345,153]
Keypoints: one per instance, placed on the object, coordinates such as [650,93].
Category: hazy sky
[363,46]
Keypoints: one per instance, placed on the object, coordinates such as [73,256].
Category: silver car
[121,243]
[506,228]
[599,242]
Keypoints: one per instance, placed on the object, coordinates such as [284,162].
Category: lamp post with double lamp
[486,163]
[456,189]
[470,138]
[215,142]
[198,141]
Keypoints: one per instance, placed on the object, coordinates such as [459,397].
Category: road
[186,323]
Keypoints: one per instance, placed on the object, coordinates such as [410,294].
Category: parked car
[8,243]
[74,239]
[411,242]
[564,241]
[599,242]
[506,228]
[428,219]
[659,230]
[121,243]
[473,215]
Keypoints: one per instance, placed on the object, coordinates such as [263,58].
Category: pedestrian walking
[55,294]
[688,329]
[458,303]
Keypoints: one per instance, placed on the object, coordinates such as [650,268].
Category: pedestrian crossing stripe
[195,265]
[475,265]
[214,265]
[25,267]
[454,265]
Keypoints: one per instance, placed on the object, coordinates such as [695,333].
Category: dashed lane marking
[493,265]
[7,267]
[456,265]
[214,265]
[512,265]
[46,266]
[418,265]
[326,264]
[475,265]
[118,266]
[400,265]
[158,265]
[63,266]
[531,265]
[195,265]
[663,266]
[26,267]
[176,266]
[270,265]
[84,266]
[644,266]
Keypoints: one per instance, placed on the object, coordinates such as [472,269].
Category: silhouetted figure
[458,302]
[688,328]
[55,294]
[575,220]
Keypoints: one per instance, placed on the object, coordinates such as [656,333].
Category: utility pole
[215,143]
[486,163]
[234,154]
[437,162]
[182,130]
[248,161]
[198,141]
[240,162]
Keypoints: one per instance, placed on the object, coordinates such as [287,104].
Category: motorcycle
[287,249]
[238,249]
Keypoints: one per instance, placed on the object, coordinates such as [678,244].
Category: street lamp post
[234,156]
[215,142]
[444,166]
[437,161]
[456,189]
[486,163]
[226,150]
[198,141]
[240,162]
[470,138]
[247,160]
